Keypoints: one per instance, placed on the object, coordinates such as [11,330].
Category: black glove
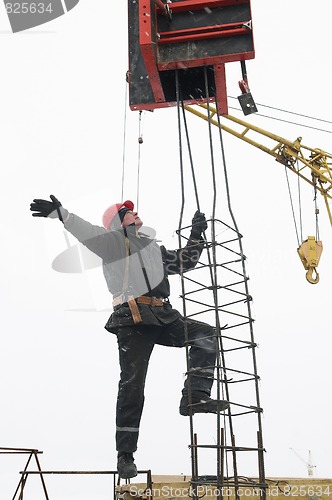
[199,225]
[45,208]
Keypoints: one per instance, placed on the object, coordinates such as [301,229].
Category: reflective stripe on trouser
[126,438]
[135,347]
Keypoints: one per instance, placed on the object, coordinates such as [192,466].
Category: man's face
[131,218]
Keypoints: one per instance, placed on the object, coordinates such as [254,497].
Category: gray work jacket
[141,268]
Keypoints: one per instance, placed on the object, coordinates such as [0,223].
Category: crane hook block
[310,252]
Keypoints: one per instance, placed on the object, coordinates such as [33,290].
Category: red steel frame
[149,48]
[149,42]
[205,32]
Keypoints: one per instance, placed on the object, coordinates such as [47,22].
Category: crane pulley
[309,253]
[310,164]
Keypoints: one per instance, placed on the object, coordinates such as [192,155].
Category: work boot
[201,404]
[126,465]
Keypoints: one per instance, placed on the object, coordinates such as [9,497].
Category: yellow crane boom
[312,165]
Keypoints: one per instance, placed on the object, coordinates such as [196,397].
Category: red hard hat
[111,211]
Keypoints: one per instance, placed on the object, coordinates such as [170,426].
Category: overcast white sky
[62,127]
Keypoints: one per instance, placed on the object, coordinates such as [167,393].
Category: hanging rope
[140,142]
[124,143]
[292,206]
[299,199]
[316,213]
[309,250]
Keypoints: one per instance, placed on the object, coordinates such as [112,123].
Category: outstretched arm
[96,238]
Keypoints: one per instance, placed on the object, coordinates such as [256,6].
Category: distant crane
[309,464]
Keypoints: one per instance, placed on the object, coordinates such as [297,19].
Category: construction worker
[136,270]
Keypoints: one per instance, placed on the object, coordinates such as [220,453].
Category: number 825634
[28,8]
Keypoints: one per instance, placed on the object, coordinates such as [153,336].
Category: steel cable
[292,207]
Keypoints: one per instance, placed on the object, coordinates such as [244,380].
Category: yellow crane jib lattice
[310,164]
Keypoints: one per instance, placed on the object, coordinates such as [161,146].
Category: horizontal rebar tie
[78,472]
[225,447]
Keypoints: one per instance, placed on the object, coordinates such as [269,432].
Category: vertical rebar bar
[220,301]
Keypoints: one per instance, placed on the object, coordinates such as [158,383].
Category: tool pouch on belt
[134,310]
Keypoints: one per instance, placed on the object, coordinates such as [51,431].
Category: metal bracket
[164,7]
[247,103]
[246,100]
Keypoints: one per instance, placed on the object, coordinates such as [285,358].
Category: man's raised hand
[45,208]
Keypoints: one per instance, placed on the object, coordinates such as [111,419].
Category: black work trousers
[135,347]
